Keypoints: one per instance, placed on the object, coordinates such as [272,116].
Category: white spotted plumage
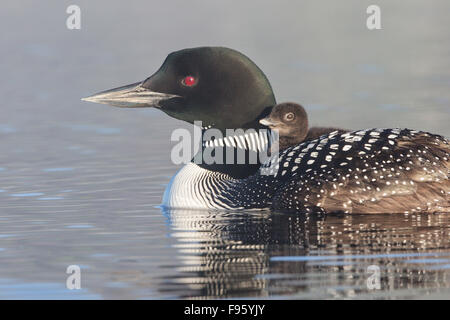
[333,173]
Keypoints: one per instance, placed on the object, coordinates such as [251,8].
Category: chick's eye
[289,116]
[188,81]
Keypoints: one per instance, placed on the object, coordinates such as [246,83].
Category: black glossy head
[218,86]
[290,120]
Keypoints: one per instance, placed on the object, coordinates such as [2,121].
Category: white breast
[191,188]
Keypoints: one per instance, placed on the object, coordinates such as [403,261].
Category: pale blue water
[81,183]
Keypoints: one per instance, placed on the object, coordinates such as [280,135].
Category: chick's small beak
[267,122]
[130,96]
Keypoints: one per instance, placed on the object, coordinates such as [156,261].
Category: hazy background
[79,182]
[319,53]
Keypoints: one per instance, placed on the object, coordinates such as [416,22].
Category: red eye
[188,81]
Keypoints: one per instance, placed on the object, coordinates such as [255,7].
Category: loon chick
[366,171]
[290,120]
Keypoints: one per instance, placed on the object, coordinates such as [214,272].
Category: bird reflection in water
[263,254]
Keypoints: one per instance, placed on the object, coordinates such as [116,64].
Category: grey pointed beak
[130,96]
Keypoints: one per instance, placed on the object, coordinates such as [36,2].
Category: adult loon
[365,171]
[291,122]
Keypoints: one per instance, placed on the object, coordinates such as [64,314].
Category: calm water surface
[81,183]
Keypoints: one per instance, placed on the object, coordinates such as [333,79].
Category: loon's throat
[255,140]
[238,154]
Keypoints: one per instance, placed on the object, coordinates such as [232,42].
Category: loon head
[219,86]
[290,120]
